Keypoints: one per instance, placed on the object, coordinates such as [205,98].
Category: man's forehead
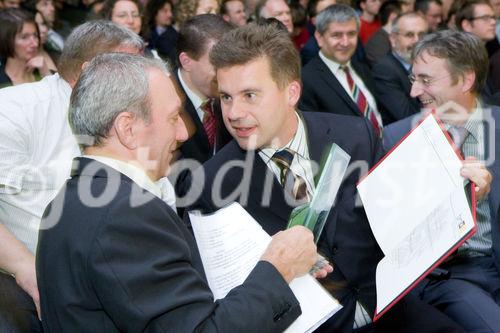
[342,26]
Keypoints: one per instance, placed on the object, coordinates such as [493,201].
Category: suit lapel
[402,72]
[326,74]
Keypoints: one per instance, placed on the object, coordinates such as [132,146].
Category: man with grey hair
[391,72]
[129,262]
[36,149]
[277,9]
[448,73]
[333,82]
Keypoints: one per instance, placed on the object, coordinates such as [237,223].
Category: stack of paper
[231,243]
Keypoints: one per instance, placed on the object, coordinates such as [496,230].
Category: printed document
[231,243]
[417,206]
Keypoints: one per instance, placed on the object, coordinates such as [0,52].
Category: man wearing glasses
[478,18]
[391,72]
[448,73]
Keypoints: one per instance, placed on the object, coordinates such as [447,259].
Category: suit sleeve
[141,268]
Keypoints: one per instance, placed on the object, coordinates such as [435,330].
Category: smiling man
[449,71]
[334,81]
[117,258]
[270,168]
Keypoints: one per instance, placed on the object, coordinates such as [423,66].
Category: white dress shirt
[36,151]
[162,188]
[339,73]
[301,164]
[195,99]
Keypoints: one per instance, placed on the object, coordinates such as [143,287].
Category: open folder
[418,209]
[231,243]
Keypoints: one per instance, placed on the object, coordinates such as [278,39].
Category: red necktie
[361,101]
[209,121]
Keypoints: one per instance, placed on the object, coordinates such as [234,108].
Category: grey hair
[395,27]
[335,13]
[112,83]
[462,51]
[91,39]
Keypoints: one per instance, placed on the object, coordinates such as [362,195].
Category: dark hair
[107,9]
[258,41]
[462,51]
[466,11]
[12,21]
[299,15]
[197,32]
[152,9]
[387,9]
[223,8]
[423,5]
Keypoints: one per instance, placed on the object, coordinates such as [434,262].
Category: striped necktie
[294,185]
[361,101]
[209,121]
[458,135]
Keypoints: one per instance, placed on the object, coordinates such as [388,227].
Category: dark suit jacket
[122,266]
[393,89]
[347,239]
[197,146]
[394,132]
[323,92]
[377,46]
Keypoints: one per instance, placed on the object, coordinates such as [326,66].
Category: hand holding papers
[417,208]
[230,248]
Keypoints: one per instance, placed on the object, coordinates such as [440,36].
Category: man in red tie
[196,78]
[332,81]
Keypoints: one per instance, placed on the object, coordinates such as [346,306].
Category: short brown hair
[254,41]
[462,51]
[466,11]
[197,32]
[12,21]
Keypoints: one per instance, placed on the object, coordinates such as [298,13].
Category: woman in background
[20,49]
[158,19]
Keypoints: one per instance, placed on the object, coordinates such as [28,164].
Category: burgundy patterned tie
[209,121]
[361,101]
[293,184]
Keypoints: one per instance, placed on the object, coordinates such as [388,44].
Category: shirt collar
[162,188]
[333,65]
[473,123]
[195,99]
[403,62]
[298,143]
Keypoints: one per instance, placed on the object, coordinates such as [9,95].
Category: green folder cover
[313,214]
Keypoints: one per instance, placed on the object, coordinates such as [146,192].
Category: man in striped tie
[333,82]
[271,165]
[448,75]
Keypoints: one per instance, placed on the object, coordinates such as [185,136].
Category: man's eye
[250,96]
[225,98]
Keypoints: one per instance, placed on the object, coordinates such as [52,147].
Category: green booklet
[313,214]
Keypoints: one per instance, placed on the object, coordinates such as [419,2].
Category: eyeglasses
[425,80]
[484,18]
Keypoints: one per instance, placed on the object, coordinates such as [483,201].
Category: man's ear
[466,25]
[294,91]
[185,61]
[469,79]
[124,127]
[317,35]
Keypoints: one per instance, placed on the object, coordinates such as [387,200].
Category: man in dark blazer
[113,256]
[469,293]
[259,94]
[332,81]
[196,79]
[391,72]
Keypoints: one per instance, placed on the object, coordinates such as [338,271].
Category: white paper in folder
[231,243]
